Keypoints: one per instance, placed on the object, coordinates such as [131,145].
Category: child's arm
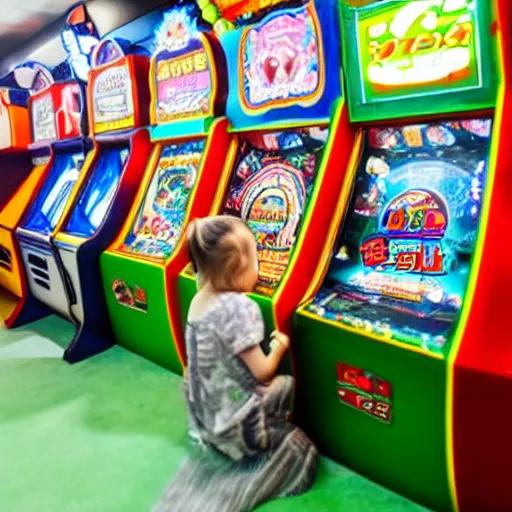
[265,367]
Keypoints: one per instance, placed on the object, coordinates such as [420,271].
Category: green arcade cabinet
[289,126]
[190,142]
[374,348]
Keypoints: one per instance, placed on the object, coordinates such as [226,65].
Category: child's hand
[264,367]
[279,342]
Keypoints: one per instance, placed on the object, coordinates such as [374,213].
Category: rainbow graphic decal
[282,60]
[271,186]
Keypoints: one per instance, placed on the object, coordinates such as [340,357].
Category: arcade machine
[118,95]
[190,145]
[58,108]
[375,346]
[17,181]
[291,134]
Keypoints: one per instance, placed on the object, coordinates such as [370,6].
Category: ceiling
[20,20]
[30,29]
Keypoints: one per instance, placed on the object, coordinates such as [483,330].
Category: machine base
[16,311]
[86,344]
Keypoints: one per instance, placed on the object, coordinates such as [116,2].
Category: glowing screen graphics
[159,224]
[403,256]
[113,100]
[96,197]
[271,186]
[282,60]
[43,118]
[425,46]
[183,70]
[49,205]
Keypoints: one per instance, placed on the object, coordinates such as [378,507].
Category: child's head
[223,253]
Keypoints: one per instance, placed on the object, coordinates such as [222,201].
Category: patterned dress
[247,452]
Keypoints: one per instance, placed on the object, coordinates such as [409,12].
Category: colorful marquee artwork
[283,62]
[418,48]
[271,186]
[403,256]
[365,391]
[43,118]
[158,226]
[184,76]
[113,100]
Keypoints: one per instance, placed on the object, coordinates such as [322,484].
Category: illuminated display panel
[113,107]
[184,81]
[159,223]
[282,60]
[43,118]
[270,189]
[403,256]
[48,207]
[417,48]
[96,197]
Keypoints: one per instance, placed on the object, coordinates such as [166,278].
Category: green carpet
[107,434]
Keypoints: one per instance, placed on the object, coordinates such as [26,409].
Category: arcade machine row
[19,301]
[118,101]
[59,121]
[16,180]
[190,145]
[290,128]
[376,345]
[77,38]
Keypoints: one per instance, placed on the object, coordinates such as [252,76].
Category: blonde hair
[217,254]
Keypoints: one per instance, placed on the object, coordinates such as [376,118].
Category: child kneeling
[238,408]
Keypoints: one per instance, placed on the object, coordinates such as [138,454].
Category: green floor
[107,434]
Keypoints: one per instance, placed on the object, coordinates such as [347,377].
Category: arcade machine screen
[270,190]
[158,225]
[43,119]
[96,197]
[410,53]
[418,48]
[402,260]
[49,205]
